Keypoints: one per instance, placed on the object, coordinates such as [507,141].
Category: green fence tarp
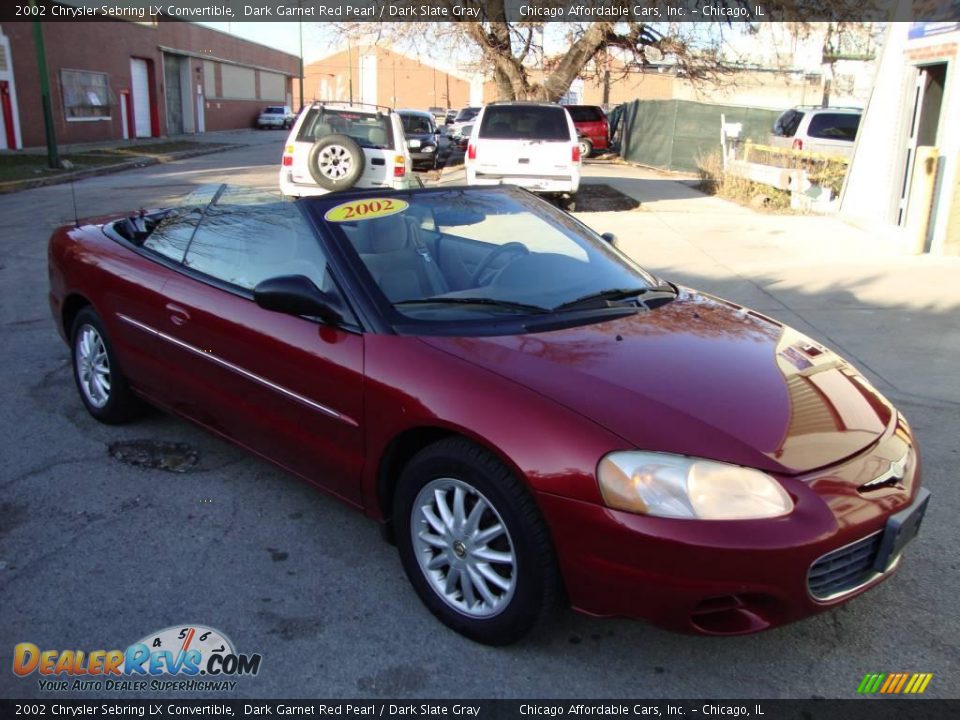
[674,134]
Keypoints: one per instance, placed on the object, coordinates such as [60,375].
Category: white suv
[829,131]
[533,145]
[337,145]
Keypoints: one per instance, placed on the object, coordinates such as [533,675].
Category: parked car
[533,145]
[337,146]
[439,115]
[830,131]
[276,116]
[591,121]
[428,148]
[530,413]
[464,116]
[461,136]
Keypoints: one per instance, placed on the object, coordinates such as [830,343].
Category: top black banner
[946,12]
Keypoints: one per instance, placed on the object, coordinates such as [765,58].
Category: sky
[282,36]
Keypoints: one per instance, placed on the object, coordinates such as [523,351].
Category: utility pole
[53,155]
[301,62]
[350,70]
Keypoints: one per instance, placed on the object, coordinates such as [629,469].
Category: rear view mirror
[296,295]
[610,238]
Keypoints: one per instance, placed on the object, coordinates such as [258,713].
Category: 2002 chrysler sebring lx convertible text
[528,411]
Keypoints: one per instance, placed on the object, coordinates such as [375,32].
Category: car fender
[550,447]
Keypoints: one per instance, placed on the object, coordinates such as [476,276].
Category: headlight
[684,487]
[428,148]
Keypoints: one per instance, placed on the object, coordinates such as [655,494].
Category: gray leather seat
[390,252]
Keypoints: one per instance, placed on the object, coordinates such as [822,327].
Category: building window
[86,95]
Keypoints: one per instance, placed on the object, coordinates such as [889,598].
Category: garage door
[140,89]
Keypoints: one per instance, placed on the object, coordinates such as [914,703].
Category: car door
[289,388]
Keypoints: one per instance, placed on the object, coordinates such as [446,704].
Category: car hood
[698,376]
[429,137]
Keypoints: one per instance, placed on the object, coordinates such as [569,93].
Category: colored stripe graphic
[894,683]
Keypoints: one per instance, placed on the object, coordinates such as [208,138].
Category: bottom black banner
[865,709]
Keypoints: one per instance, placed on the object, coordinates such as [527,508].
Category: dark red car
[592,127]
[530,413]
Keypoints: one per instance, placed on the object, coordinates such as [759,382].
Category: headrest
[387,234]
[321,129]
[377,136]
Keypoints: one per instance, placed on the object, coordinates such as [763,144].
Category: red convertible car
[530,414]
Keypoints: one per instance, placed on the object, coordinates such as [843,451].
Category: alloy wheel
[463,547]
[93,366]
[334,162]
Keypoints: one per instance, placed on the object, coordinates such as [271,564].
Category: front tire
[101,383]
[473,543]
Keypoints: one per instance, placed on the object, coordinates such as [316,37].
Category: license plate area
[900,530]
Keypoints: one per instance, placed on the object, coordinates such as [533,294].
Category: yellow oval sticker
[366,209]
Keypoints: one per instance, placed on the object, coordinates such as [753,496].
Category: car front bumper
[730,577]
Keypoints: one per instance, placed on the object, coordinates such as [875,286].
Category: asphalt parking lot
[96,553]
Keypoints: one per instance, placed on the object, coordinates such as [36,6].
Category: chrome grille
[844,569]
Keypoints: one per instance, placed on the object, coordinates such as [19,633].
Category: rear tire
[473,543]
[586,148]
[336,162]
[103,387]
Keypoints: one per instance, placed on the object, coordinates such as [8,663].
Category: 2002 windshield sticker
[366,209]
[184,652]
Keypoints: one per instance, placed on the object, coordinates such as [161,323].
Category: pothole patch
[155,454]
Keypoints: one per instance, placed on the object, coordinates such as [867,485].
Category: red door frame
[7,108]
[126,98]
[152,94]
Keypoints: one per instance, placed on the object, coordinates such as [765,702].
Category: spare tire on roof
[336,162]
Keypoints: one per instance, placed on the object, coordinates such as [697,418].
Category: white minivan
[530,144]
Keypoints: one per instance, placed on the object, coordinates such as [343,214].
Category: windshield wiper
[609,298]
[476,301]
[602,298]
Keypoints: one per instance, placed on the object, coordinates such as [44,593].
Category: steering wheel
[487,262]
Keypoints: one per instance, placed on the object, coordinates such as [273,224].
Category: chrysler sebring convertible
[531,416]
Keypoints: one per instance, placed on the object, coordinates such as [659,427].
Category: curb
[13,186]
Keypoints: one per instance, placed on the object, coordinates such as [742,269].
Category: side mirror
[296,295]
[610,238]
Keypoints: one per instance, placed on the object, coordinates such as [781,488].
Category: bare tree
[512,51]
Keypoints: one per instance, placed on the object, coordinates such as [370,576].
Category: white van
[828,131]
[533,145]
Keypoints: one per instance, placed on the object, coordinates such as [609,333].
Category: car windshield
[467,114]
[528,122]
[474,254]
[369,130]
[416,124]
[273,111]
[585,113]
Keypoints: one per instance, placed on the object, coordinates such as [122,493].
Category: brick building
[118,80]
[374,74]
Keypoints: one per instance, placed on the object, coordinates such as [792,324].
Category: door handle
[178,315]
